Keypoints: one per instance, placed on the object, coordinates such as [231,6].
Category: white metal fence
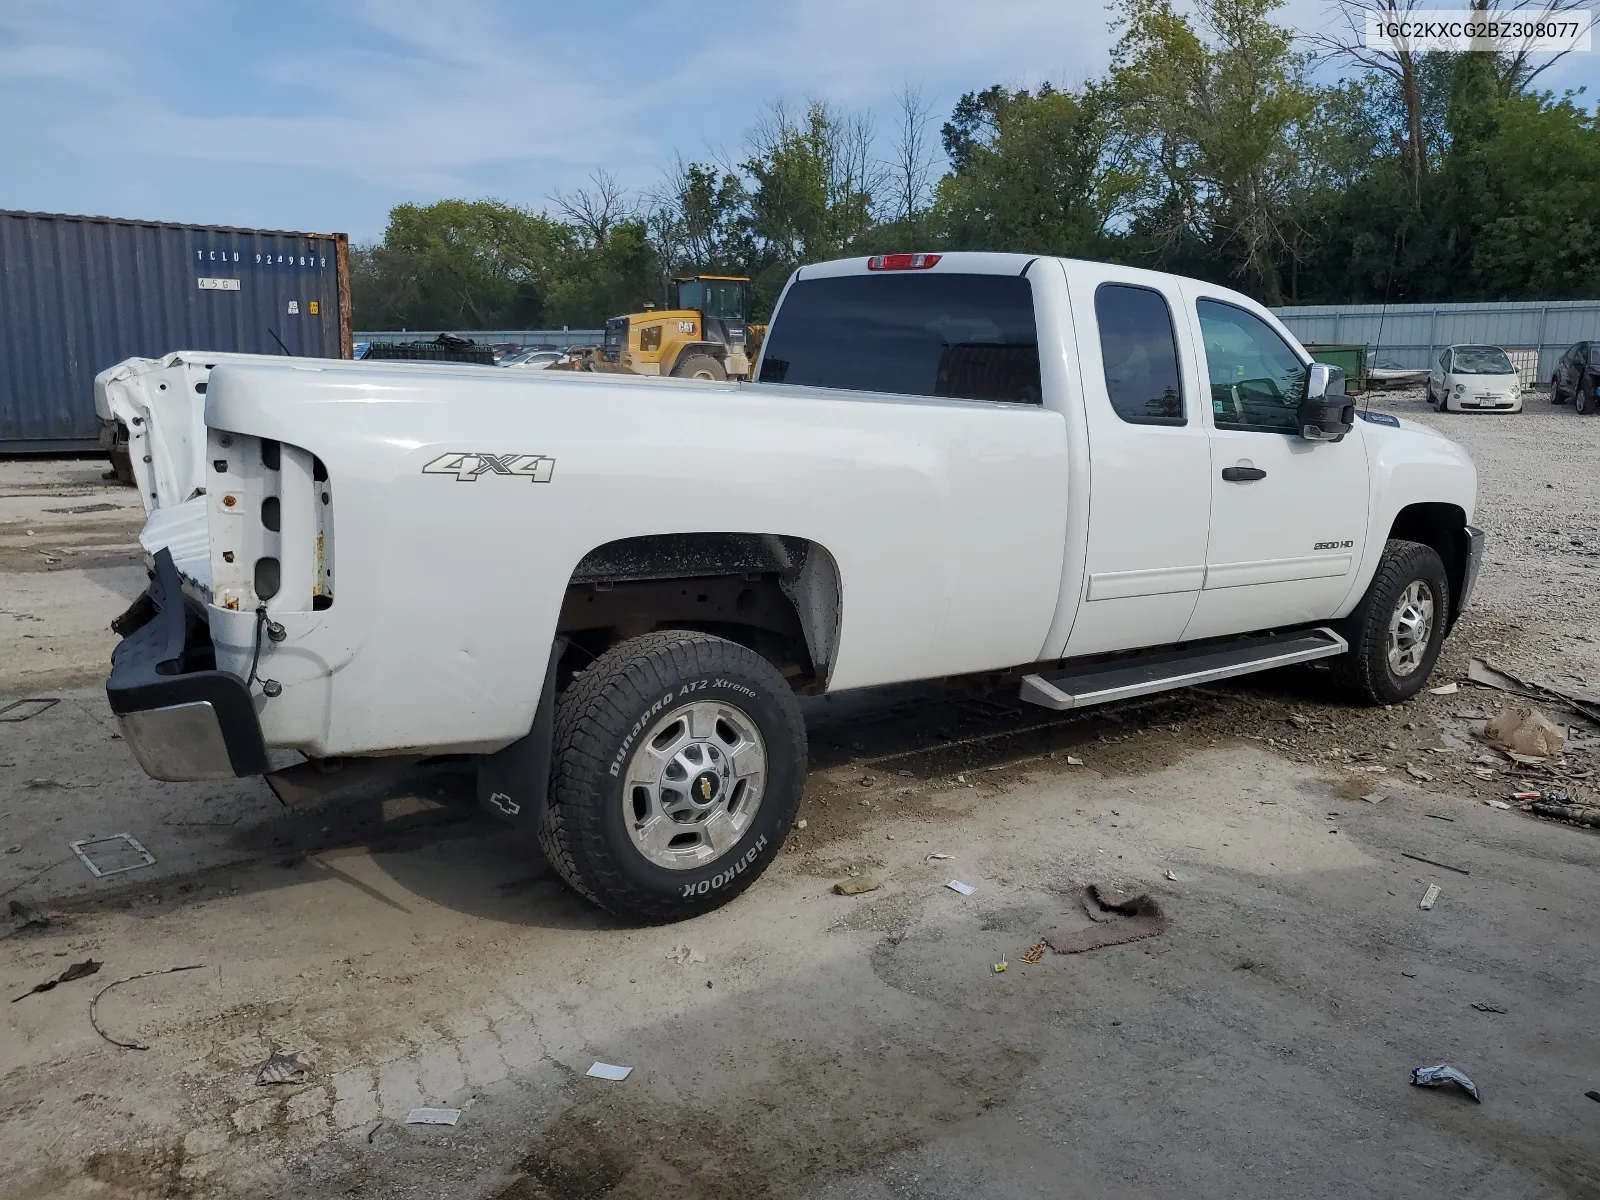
[1535,332]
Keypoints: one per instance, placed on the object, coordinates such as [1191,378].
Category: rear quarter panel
[945,520]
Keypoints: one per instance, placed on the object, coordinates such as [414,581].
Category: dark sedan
[1577,377]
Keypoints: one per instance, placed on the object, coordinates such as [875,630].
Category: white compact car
[1470,378]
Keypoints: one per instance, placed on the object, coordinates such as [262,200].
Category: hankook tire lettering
[725,877]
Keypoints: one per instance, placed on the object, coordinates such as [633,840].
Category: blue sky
[295,115]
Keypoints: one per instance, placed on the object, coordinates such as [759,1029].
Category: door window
[1140,352]
[1444,362]
[1256,381]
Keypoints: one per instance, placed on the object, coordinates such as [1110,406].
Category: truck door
[1288,516]
[1150,465]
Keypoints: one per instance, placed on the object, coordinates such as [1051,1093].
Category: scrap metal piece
[44,703]
[80,849]
[1438,1076]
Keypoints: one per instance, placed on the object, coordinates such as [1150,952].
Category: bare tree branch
[597,209]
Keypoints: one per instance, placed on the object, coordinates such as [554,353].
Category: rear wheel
[699,366]
[679,761]
[1396,632]
[1583,399]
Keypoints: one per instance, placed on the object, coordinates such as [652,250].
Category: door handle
[1242,474]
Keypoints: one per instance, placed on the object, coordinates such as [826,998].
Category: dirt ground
[803,1044]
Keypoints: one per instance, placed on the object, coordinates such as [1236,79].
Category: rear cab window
[953,335]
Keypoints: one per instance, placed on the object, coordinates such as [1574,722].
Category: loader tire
[679,759]
[699,366]
[1398,628]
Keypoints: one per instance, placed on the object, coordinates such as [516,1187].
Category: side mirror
[1326,414]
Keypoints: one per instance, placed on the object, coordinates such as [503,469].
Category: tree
[1220,125]
[911,163]
[1045,172]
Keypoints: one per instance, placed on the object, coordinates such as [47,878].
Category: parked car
[1577,377]
[1093,481]
[1469,378]
[531,360]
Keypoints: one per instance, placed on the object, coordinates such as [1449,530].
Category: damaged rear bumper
[182,718]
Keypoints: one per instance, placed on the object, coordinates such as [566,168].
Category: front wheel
[679,761]
[1397,630]
[1555,390]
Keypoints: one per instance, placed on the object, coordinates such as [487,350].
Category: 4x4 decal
[467,467]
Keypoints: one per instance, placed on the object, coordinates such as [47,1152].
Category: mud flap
[514,783]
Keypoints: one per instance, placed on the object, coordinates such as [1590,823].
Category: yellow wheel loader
[706,336]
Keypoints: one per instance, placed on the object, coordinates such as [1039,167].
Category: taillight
[902,262]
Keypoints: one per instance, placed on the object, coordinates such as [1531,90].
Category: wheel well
[777,595]
[1444,527]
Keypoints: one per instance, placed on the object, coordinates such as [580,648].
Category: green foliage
[1209,148]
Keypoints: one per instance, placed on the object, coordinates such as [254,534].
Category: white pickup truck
[1097,481]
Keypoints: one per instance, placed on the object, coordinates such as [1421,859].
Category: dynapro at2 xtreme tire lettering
[679,762]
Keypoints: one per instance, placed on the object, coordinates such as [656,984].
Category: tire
[1427,393]
[1367,672]
[1583,400]
[608,788]
[1555,390]
[698,366]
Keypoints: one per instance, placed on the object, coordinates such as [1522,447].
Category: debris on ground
[1438,1076]
[1490,1008]
[1074,762]
[684,956]
[1298,721]
[1373,797]
[95,1002]
[1369,769]
[936,856]
[77,970]
[1525,730]
[1566,810]
[1433,862]
[1449,689]
[1429,897]
[119,852]
[1438,816]
[1035,952]
[1593,1095]
[1416,773]
[27,708]
[283,1068]
[1172,876]
[610,1071]
[433,1116]
[1117,918]
[25,916]
[855,886]
[966,889]
[1000,967]
[1481,671]
[1497,804]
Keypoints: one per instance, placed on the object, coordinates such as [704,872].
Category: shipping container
[80,294]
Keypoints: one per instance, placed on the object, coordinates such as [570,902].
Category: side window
[1256,380]
[1444,362]
[1140,351]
